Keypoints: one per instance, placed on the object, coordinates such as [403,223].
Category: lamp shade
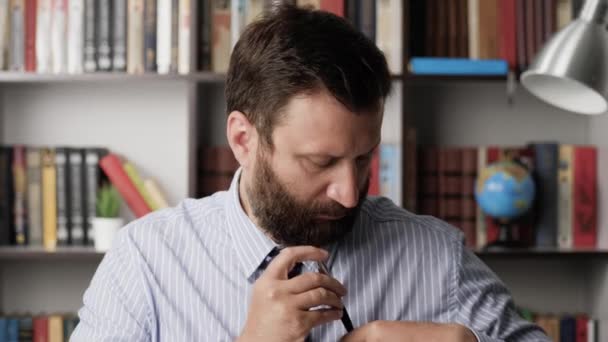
[571,70]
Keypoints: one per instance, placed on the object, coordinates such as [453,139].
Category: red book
[374,175]
[469,206]
[581,328]
[30,35]
[112,166]
[334,6]
[40,329]
[507,27]
[584,196]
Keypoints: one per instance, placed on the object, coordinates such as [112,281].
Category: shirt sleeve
[484,305]
[115,306]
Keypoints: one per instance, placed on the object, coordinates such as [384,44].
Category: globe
[505,190]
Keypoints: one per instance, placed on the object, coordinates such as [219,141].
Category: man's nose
[344,189]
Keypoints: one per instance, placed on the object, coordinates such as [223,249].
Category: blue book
[546,164]
[458,66]
[12,331]
[390,172]
[567,329]
[3,330]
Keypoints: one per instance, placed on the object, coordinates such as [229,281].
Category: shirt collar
[250,243]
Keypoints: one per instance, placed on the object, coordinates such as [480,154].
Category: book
[507,29]
[64,219]
[135,37]
[546,165]
[12,329]
[164,34]
[77,171]
[41,329]
[428,195]
[488,29]
[55,328]
[155,194]
[34,193]
[49,199]
[7,197]
[135,178]
[374,175]
[30,35]
[4,32]
[93,179]
[104,35]
[43,36]
[150,38]
[389,29]
[220,41]
[26,329]
[333,6]
[390,172]
[90,35]
[458,66]
[119,35]
[20,193]
[577,225]
[473,25]
[602,197]
[184,34]
[112,166]
[17,31]
[468,204]
[237,20]
[75,32]
[58,36]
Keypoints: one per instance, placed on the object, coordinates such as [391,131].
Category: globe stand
[505,238]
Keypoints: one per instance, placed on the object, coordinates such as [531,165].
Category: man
[305,95]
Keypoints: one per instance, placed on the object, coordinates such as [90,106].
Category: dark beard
[291,223]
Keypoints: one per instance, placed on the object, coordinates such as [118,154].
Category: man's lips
[328,218]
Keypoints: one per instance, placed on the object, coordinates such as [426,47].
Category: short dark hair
[294,50]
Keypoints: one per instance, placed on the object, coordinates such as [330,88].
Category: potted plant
[106,222]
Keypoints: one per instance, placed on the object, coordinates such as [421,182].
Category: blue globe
[505,190]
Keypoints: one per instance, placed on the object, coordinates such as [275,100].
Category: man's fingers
[316,297]
[280,266]
[312,280]
[319,317]
[357,335]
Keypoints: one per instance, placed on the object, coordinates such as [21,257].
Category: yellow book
[131,171]
[49,199]
[55,328]
[155,193]
[564,198]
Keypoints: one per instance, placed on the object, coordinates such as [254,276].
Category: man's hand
[279,309]
[410,332]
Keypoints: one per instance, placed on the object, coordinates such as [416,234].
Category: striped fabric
[186,274]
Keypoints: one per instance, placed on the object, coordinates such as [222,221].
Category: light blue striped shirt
[186,274]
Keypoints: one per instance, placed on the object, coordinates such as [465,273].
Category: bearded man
[305,96]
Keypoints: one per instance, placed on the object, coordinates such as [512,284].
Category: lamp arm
[595,11]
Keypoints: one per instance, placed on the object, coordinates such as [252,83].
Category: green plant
[108,202]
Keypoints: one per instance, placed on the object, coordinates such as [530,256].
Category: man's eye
[362,160]
[322,162]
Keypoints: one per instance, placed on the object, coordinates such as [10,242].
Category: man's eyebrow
[329,155]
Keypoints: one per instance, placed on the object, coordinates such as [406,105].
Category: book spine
[547,164]
[75,36]
[458,66]
[529,31]
[473,25]
[468,204]
[104,35]
[6,196]
[236,21]
[374,177]
[41,329]
[602,193]
[565,205]
[175,33]
[367,17]
[4,32]
[390,33]
[564,13]
[582,334]
[90,35]
[91,185]
[155,194]
[34,193]
[493,155]
[163,34]
[119,36]
[43,36]
[17,47]
[135,178]
[428,158]
[390,177]
[220,43]
[150,35]
[585,197]
[184,36]
[549,19]
[410,174]
[520,17]
[488,29]
[135,37]
[49,199]
[333,6]
[480,219]
[55,328]
[30,35]
[112,167]
[508,34]
[20,186]
[58,36]
[62,166]
[77,169]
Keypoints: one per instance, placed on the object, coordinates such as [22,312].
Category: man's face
[307,189]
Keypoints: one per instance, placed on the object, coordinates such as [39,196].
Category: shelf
[25,77]
[454,78]
[543,252]
[41,254]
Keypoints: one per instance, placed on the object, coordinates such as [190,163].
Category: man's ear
[242,138]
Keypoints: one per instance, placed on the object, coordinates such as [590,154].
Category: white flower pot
[104,231]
